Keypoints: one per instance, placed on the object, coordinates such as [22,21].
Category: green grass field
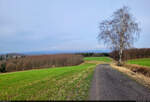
[64,83]
[104,59]
[142,62]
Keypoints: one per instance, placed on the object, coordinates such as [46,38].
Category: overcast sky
[45,25]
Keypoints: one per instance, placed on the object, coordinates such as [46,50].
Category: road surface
[110,84]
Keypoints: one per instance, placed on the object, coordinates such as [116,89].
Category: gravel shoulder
[110,84]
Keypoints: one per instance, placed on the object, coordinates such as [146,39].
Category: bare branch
[120,32]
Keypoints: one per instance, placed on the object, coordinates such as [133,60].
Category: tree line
[131,53]
[90,54]
[40,61]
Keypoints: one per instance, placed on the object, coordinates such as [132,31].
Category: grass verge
[138,69]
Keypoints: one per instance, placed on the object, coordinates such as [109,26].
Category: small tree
[1,58]
[119,32]
[3,67]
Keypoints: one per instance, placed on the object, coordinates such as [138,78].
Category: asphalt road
[110,84]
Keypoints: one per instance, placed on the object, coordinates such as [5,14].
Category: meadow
[141,61]
[61,83]
[104,59]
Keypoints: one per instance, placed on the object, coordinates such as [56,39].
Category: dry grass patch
[139,77]
[139,69]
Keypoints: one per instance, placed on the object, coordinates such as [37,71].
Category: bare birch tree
[120,31]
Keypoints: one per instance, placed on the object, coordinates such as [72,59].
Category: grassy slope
[105,59]
[142,61]
[63,83]
[67,83]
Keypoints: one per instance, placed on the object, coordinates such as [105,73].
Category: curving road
[110,84]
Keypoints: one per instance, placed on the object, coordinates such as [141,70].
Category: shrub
[2,67]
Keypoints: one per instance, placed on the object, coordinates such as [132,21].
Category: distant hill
[64,52]
[11,55]
[15,54]
[54,52]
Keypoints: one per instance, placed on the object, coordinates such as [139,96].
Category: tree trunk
[121,48]
[120,57]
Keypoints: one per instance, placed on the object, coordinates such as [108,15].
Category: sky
[45,25]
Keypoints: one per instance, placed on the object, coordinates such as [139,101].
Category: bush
[3,67]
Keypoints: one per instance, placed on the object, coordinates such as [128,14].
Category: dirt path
[110,84]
